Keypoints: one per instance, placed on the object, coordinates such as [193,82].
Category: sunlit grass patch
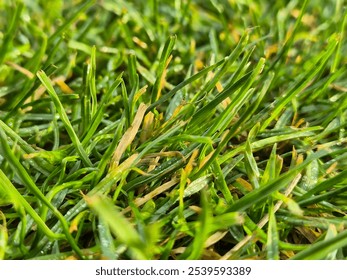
[173,130]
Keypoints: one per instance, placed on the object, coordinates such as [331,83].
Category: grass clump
[173,130]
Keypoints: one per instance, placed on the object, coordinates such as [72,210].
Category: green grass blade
[322,249]
[184,83]
[17,199]
[84,6]
[302,83]
[3,236]
[61,111]
[262,193]
[272,246]
[118,224]
[14,23]
[91,72]
[164,59]
[25,177]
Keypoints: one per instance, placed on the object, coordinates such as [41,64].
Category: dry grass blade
[128,136]
[142,200]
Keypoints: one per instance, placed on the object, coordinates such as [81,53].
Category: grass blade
[60,109]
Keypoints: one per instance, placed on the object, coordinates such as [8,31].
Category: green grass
[173,129]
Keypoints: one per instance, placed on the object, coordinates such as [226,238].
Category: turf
[173,129]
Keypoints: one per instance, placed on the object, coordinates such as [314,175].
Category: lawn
[174,129]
